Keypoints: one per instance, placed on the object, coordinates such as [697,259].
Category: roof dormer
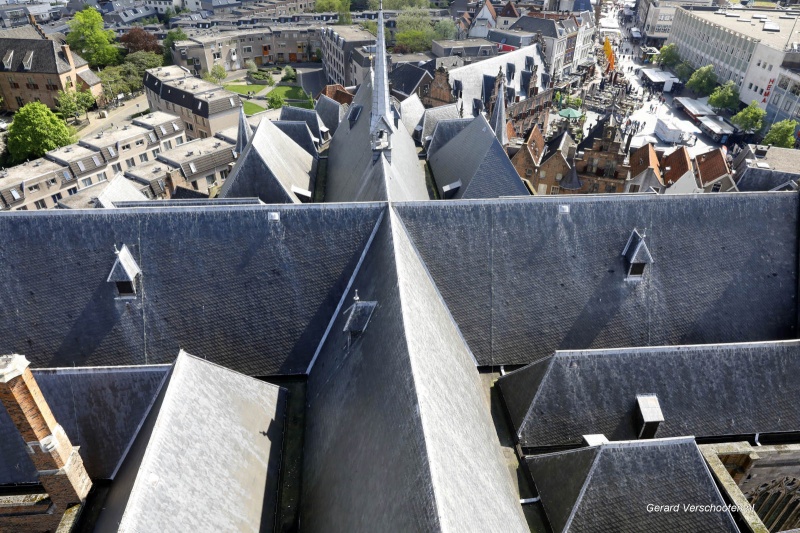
[125,273]
[358,316]
[637,256]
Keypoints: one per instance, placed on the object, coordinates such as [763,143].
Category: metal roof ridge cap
[563,354]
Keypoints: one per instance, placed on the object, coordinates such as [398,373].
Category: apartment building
[205,108]
[338,44]
[34,70]
[749,47]
[42,183]
[569,40]
[233,49]
[203,163]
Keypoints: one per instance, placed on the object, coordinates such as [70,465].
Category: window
[86,182]
[189,127]
[163,130]
[143,158]
[140,142]
[156,152]
[126,147]
[750,85]
[72,190]
[102,176]
[116,167]
[52,181]
[528,171]
[636,270]
[210,179]
[555,189]
[175,126]
[247,49]
[716,187]
[633,188]
[112,152]
[33,188]
[167,145]
[193,168]
[130,162]
[20,101]
[81,166]
[96,160]
[179,140]
[56,197]
[152,137]
[40,204]
[542,175]
[125,288]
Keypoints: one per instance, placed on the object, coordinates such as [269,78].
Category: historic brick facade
[441,93]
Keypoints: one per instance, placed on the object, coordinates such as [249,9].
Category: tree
[141,61]
[396,5]
[703,80]
[751,118]
[344,12]
[116,81]
[725,97]
[85,100]
[140,40]
[326,6]
[67,104]
[251,65]
[275,100]
[412,41]
[34,131]
[669,56]
[371,26]
[90,40]
[172,35]
[289,74]
[445,29]
[781,134]
[414,19]
[216,74]
[684,71]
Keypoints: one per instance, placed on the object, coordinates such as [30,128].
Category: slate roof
[509,10]
[207,459]
[290,273]
[471,76]
[394,367]
[99,408]
[732,260]
[405,78]
[433,115]
[272,168]
[411,113]
[353,175]
[330,112]
[300,134]
[103,195]
[607,488]
[309,116]
[476,159]
[547,27]
[444,131]
[713,390]
[47,56]
[89,77]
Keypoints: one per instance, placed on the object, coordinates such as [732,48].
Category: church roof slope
[713,390]
[618,481]
[719,261]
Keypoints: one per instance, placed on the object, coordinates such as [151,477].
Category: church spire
[498,118]
[244,133]
[380,80]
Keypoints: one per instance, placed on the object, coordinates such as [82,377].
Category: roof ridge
[549,360]
[563,354]
[582,492]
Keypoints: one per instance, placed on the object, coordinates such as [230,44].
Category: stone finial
[12,366]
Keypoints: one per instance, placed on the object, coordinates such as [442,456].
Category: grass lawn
[243,89]
[290,93]
[251,108]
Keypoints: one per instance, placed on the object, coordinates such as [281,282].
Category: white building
[656,17]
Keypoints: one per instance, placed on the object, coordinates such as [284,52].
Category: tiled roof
[644,158]
[509,10]
[711,166]
[676,165]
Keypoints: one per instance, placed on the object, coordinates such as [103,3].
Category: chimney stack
[58,463]
[68,56]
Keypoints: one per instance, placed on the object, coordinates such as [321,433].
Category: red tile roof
[711,166]
[536,143]
[644,158]
[676,165]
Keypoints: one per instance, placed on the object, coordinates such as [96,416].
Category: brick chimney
[60,467]
[36,26]
[68,56]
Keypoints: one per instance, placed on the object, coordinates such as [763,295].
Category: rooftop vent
[125,272]
[450,190]
[648,415]
[637,256]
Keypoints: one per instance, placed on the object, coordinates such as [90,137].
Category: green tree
[344,12]
[90,40]
[251,65]
[412,41]
[669,56]
[703,80]
[750,119]
[684,71]
[371,26]
[34,131]
[396,5]
[85,100]
[781,134]
[172,35]
[275,100]
[67,104]
[216,74]
[445,29]
[138,62]
[326,6]
[725,97]
[414,19]
[116,81]
[289,74]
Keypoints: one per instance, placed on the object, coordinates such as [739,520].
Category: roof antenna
[115,249]
[356,298]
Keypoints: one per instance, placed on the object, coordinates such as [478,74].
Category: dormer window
[358,316]
[637,256]
[125,273]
